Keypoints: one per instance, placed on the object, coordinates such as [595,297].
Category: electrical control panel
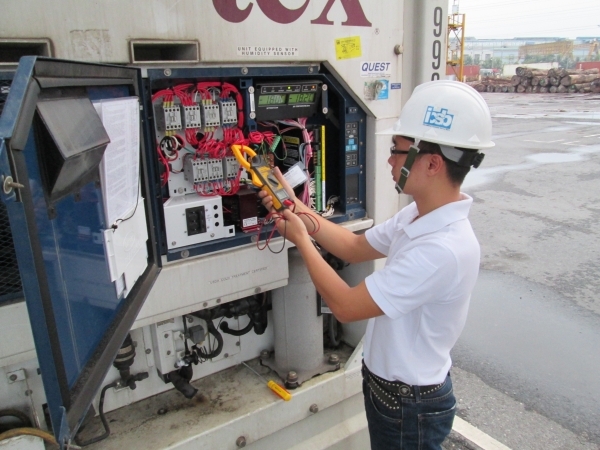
[291,121]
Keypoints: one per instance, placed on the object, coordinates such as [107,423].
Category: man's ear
[436,164]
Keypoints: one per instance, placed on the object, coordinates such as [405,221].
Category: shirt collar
[439,218]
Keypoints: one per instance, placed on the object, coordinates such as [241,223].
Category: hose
[23,418]
[225,329]
[27,431]
[212,330]
[102,418]
[335,341]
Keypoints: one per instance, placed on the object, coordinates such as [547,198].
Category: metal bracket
[7,192]
[16,375]
[64,434]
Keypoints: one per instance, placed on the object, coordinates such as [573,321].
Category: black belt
[397,387]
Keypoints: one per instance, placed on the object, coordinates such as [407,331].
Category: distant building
[508,49]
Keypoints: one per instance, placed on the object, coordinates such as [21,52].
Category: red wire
[162,93]
[163,159]
[314,221]
[279,216]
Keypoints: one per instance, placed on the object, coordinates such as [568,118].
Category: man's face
[399,144]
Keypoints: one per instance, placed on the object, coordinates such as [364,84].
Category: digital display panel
[272,99]
[307,97]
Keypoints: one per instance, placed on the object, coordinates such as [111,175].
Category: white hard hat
[448,113]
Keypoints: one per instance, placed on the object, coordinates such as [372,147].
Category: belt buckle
[404,390]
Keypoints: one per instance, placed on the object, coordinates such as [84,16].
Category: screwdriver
[272,385]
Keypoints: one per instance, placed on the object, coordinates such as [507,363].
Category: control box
[193,219]
[290,121]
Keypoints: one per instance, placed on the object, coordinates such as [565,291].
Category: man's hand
[292,227]
[267,200]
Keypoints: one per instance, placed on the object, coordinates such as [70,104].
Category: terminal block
[210,115]
[195,170]
[191,116]
[228,112]
[172,116]
[215,169]
[230,167]
[201,170]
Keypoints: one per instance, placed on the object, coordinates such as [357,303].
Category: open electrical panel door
[76,187]
[108,176]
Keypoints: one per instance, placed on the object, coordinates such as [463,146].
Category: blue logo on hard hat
[440,119]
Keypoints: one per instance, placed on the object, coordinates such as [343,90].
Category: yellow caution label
[347,48]
[291,140]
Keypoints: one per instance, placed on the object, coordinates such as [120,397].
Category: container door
[75,184]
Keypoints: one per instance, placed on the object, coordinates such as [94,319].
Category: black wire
[225,328]
[264,296]
[102,418]
[118,221]
[205,350]
[217,327]
[283,246]
[185,336]
[215,332]
[335,341]
[115,225]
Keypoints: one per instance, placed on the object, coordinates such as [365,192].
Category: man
[417,304]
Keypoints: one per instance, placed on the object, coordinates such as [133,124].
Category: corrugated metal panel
[468,71]
[588,65]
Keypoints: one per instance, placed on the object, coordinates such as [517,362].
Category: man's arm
[335,239]
[348,304]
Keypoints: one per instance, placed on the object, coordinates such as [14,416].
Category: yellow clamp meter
[262,175]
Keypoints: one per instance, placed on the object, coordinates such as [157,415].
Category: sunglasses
[393,151]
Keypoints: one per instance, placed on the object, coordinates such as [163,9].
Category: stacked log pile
[542,81]
[491,84]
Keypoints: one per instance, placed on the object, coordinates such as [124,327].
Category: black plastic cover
[74,143]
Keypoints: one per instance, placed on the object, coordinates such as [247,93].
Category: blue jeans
[421,423]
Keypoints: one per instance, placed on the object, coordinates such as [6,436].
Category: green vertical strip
[318,180]
[323,170]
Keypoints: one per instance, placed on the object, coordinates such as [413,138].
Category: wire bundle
[206,142]
[277,217]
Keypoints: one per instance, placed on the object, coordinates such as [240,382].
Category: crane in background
[456,42]
[594,49]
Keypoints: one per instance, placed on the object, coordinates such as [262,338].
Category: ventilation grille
[10,280]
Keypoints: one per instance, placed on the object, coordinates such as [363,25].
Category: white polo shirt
[424,291]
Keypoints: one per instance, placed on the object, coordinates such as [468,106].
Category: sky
[529,18]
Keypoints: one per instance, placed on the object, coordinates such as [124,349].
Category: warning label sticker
[346,48]
[253,50]
[249,222]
